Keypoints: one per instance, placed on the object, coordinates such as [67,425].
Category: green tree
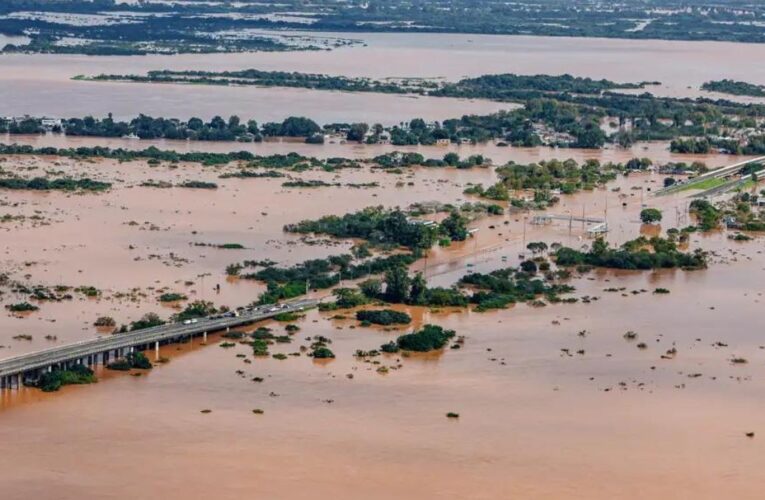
[298,126]
[536,247]
[371,288]
[451,159]
[357,132]
[148,320]
[650,215]
[419,289]
[529,266]
[397,285]
[455,226]
[599,247]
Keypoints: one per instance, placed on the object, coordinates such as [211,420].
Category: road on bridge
[18,365]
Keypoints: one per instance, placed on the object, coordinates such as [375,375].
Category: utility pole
[475,249]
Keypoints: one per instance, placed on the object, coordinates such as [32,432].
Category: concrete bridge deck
[14,371]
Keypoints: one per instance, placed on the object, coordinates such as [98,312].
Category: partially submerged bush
[430,338]
[105,321]
[77,374]
[172,297]
[22,307]
[322,353]
[137,360]
[384,317]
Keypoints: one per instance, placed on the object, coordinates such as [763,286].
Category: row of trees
[147,127]
[571,119]
[642,253]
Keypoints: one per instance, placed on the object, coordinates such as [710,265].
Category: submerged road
[13,371]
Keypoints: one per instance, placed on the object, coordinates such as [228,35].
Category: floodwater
[656,151]
[535,421]
[553,402]
[41,84]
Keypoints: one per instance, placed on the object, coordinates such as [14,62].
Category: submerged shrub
[430,338]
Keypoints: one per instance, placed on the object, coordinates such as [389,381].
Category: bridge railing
[77,350]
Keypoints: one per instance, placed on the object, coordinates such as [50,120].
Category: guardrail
[88,351]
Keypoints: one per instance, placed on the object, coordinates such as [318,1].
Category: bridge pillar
[156,351]
[204,337]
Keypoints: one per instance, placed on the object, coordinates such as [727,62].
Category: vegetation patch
[137,360]
[172,297]
[76,375]
[22,307]
[43,184]
[638,254]
[384,317]
[429,338]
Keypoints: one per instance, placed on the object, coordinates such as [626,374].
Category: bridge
[28,367]
[719,173]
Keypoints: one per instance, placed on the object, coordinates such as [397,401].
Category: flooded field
[656,151]
[545,411]
[41,84]
[553,401]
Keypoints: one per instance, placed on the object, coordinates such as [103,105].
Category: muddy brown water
[535,421]
[657,151]
[41,84]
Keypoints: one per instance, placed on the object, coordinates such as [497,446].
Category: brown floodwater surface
[40,84]
[544,411]
[657,151]
[553,401]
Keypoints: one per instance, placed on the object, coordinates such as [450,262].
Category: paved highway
[713,174]
[728,186]
[18,365]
